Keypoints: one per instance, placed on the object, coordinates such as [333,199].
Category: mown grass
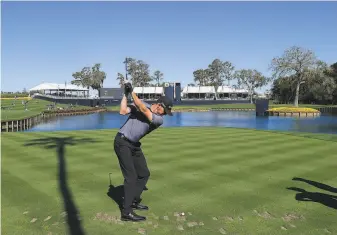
[225,179]
[34,106]
[217,106]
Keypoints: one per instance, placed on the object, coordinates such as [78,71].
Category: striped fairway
[226,181]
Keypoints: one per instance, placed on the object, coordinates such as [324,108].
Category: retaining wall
[29,122]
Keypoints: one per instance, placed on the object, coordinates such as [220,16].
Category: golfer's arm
[124,109]
[141,106]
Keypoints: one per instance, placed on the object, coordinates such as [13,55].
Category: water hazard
[239,119]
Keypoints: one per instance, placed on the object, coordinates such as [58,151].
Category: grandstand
[227,92]
[208,93]
[190,95]
[145,93]
[59,91]
[149,93]
[69,91]
[198,92]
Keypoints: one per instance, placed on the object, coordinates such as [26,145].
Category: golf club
[110,178]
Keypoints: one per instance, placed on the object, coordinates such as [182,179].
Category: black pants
[134,168]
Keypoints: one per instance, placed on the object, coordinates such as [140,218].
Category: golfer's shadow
[59,143]
[322,198]
[117,194]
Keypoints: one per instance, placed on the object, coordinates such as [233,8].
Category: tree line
[139,74]
[297,76]
[219,72]
[89,77]
[137,71]
[23,93]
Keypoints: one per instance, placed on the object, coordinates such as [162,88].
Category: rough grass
[225,180]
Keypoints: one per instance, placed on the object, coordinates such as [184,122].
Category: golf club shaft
[110,178]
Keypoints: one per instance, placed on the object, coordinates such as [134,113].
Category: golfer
[143,119]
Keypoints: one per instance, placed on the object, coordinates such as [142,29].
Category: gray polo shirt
[137,125]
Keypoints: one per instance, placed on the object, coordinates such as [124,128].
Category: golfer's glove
[128,88]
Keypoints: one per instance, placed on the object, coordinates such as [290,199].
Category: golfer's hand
[128,87]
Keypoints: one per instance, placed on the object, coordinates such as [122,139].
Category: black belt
[124,138]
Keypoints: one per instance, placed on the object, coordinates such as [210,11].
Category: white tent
[198,89]
[60,89]
[55,86]
[225,89]
[228,89]
[227,92]
[199,92]
[208,92]
[243,91]
[149,90]
[149,93]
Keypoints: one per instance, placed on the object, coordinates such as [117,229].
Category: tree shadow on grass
[317,185]
[322,198]
[59,144]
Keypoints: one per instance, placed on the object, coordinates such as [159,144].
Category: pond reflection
[239,119]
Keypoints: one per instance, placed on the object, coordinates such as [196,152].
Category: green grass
[200,107]
[34,106]
[209,172]
[243,106]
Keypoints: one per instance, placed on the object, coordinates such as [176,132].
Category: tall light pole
[126,67]
[126,71]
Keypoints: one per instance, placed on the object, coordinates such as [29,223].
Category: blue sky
[48,41]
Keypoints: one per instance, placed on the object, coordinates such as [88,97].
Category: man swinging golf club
[143,119]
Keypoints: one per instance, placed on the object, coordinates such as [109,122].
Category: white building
[198,92]
[227,92]
[208,92]
[59,90]
[149,93]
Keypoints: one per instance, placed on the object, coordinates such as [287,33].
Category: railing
[21,124]
[331,110]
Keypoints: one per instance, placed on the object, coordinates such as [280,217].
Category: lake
[238,119]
